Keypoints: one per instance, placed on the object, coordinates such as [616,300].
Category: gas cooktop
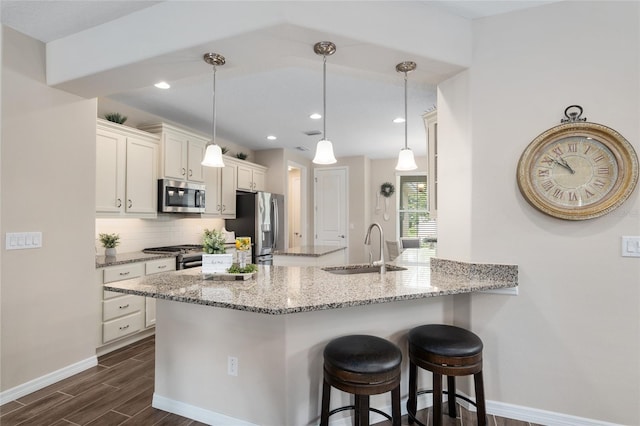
[179,249]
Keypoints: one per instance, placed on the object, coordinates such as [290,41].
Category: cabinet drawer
[117,307]
[123,272]
[106,294]
[122,326]
[160,265]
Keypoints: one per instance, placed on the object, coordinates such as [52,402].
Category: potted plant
[215,260]
[241,156]
[116,117]
[109,242]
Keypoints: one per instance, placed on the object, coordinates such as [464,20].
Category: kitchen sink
[361,269]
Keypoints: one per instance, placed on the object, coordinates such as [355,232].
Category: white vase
[110,251]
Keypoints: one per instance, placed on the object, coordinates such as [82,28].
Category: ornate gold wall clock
[577,170]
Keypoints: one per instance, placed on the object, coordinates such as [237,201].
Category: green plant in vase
[213,242]
[109,242]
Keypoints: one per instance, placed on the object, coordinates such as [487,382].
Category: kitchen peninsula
[310,256]
[274,329]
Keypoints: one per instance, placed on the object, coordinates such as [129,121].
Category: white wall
[570,342]
[48,185]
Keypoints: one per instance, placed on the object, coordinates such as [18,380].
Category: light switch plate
[630,246]
[23,240]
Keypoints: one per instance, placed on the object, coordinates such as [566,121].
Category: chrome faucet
[367,241]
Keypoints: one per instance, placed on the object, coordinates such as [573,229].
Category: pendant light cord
[213,125]
[324,97]
[405,110]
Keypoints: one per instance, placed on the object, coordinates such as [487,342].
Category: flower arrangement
[109,240]
[213,242]
[243,243]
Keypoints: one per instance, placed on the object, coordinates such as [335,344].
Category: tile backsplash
[138,234]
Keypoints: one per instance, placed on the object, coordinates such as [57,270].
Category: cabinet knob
[184,171]
[125,327]
[119,203]
[219,208]
[124,306]
[190,172]
[130,203]
[224,207]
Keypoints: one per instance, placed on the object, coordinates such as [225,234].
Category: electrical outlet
[232,366]
[630,246]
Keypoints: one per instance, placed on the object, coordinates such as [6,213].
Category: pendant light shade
[213,153]
[213,156]
[406,161]
[324,149]
[324,153]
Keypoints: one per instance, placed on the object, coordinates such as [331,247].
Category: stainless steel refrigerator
[259,216]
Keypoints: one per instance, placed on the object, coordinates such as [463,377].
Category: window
[413,215]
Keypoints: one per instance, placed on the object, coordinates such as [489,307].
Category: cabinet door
[142,175]
[245,178]
[174,156]
[212,191]
[258,180]
[110,171]
[195,155]
[228,184]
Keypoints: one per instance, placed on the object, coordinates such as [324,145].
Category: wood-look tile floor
[118,391]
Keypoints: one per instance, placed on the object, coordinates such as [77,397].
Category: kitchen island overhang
[276,326]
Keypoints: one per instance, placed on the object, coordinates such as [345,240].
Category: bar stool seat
[445,350]
[361,365]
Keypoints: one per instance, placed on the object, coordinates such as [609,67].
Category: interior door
[294,213]
[330,199]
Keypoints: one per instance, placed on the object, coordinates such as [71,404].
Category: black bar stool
[361,365]
[445,350]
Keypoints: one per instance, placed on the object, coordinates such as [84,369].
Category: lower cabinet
[124,315]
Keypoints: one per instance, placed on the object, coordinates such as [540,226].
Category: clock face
[578,171]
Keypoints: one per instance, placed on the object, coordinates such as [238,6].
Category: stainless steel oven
[180,197]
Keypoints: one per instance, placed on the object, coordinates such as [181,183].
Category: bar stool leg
[412,402]
[480,404]
[326,394]
[362,410]
[437,399]
[451,389]
[395,406]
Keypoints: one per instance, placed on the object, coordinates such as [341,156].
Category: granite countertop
[283,290]
[122,258]
[309,251]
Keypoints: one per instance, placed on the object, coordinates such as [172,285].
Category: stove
[187,255]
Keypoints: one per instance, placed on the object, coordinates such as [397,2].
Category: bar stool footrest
[412,416]
[353,407]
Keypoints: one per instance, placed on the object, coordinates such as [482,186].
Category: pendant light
[406,161]
[213,153]
[324,149]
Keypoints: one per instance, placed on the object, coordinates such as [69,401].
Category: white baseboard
[46,380]
[541,417]
[196,413]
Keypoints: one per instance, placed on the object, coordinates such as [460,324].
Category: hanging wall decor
[386,190]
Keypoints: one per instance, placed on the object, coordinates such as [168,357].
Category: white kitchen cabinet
[181,152]
[124,316]
[220,183]
[126,171]
[251,177]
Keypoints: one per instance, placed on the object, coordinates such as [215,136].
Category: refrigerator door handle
[276,221]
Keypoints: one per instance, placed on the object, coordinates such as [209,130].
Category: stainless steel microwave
[175,196]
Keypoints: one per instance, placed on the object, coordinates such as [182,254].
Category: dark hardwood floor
[118,391]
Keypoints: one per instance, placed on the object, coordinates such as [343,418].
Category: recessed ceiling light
[315,116]
[162,85]
[398,120]
[271,138]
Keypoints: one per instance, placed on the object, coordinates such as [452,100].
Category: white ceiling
[275,98]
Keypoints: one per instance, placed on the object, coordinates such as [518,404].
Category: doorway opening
[297,204]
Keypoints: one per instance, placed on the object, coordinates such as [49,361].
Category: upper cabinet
[126,171]
[181,152]
[251,177]
[220,183]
